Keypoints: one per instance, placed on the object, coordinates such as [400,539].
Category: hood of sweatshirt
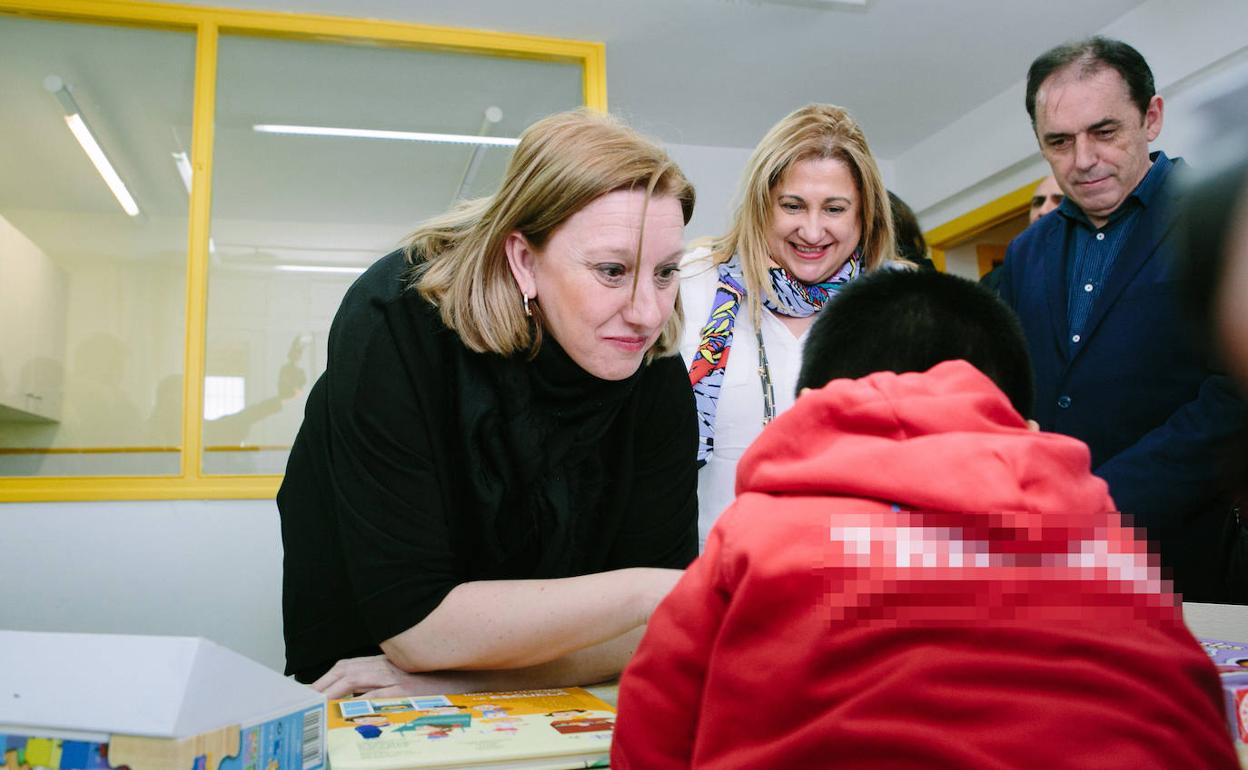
[945,441]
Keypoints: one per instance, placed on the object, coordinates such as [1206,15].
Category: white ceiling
[281,198]
[720,72]
[693,72]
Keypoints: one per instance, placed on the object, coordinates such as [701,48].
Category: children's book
[1231,659]
[555,729]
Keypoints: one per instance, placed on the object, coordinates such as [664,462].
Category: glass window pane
[297,217]
[92,299]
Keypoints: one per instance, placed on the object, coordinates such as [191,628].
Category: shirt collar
[1143,194]
[1147,189]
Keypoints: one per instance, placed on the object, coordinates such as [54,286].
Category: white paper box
[154,702]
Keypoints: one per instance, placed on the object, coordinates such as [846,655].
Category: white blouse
[739,417]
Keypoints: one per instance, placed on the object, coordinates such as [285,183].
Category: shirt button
[1063,402]
[1100,236]
[1087,287]
[1075,338]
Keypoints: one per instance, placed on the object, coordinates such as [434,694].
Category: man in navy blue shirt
[1116,363]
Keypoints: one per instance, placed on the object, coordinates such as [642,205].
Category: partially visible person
[1216,259]
[911,245]
[494,483]
[1117,365]
[913,577]
[1216,279]
[1232,310]
[164,424]
[814,216]
[1045,198]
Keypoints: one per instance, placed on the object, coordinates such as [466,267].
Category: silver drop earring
[527,311]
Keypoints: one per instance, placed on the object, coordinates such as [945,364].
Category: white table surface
[1228,622]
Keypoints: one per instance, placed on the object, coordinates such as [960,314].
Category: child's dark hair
[909,321]
[907,234]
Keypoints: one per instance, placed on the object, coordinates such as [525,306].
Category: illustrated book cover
[555,729]
[1231,660]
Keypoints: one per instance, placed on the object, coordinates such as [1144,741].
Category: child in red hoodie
[913,577]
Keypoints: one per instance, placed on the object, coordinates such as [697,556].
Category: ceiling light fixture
[319,269]
[490,118]
[78,127]
[184,169]
[843,5]
[372,133]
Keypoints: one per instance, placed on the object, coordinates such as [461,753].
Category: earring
[527,311]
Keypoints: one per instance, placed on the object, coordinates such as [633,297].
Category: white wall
[963,259]
[206,568]
[32,300]
[716,174]
[214,568]
[991,150]
[199,568]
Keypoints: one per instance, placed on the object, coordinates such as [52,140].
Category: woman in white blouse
[814,215]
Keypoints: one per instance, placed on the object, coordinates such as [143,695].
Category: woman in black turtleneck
[494,483]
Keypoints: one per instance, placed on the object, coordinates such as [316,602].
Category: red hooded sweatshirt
[910,578]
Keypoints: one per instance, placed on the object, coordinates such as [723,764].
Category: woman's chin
[612,365]
[814,272]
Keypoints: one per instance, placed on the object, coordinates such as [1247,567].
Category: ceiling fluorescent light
[78,127]
[184,169]
[491,117]
[319,269]
[372,133]
[848,5]
[188,176]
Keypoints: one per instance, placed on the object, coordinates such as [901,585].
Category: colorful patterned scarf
[796,299]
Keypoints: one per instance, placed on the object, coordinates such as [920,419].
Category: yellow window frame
[208,24]
[956,231]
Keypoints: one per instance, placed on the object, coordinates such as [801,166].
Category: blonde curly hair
[813,132]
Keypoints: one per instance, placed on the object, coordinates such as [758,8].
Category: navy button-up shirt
[1091,252]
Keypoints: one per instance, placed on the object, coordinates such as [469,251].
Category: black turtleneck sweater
[421,465]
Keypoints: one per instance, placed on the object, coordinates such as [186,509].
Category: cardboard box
[80,701]
[1231,659]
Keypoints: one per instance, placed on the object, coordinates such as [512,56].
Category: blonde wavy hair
[563,162]
[813,132]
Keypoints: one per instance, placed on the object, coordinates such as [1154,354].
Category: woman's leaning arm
[515,624]
[377,677]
